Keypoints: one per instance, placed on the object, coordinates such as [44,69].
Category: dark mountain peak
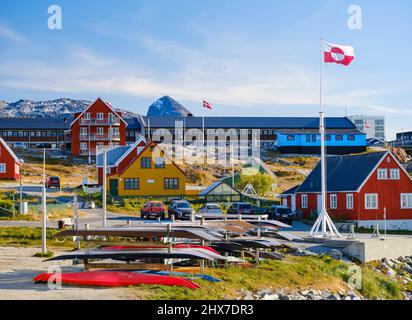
[167,106]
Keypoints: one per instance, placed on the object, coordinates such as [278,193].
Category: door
[114,187]
[293,203]
[319,203]
[285,202]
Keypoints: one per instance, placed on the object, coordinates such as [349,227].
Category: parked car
[281,213]
[211,208]
[53,182]
[241,208]
[180,209]
[19,145]
[44,146]
[154,209]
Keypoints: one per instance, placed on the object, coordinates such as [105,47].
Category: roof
[107,104]
[344,173]
[316,131]
[5,145]
[213,186]
[34,123]
[133,124]
[248,122]
[113,155]
[290,191]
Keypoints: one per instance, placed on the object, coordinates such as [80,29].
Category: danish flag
[335,53]
[207,105]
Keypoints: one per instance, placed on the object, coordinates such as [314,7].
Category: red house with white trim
[97,126]
[367,188]
[9,163]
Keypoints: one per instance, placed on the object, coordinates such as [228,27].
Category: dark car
[180,209]
[53,182]
[281,213]
[44,146]
[154,209]
[241,208]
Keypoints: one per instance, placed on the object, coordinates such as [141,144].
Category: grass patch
[48,254]
[24,236]
[379,286]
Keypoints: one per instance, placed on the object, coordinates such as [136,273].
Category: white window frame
[396,176]
[382,176]
[349,200]
[82,144]
[333,201]
[83,131]
[408,200]
[366,201]
[99,131]
[87,116]
[304,201]
[100,116]
[3,168]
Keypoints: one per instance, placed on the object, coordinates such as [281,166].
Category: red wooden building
[368,188]
[9,163]
[98,125]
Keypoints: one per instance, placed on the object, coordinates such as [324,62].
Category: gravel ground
[18,267]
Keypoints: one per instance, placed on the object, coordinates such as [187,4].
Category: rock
[271,297]
[401,259]
[334,297]
[391,273]
[284,297]
[248,296]
[408,260]
[347,298]
[336,254]
[406,267]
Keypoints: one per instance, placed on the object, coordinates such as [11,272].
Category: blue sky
[247,57]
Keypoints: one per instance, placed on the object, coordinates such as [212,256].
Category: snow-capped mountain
[59,108]
[166,106]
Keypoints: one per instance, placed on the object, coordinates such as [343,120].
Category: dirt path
[18,267]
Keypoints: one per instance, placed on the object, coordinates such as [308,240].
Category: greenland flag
[335,53]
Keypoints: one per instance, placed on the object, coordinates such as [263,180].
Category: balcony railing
[99,137]
[87,152]
[100,122]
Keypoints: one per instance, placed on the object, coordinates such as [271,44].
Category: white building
[373,126]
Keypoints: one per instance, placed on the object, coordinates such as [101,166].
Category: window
[111,117]
[328,137]
[349,201]
[371,201]
[406,201]
[146,163]
[333,201]
[339,137]
[2,168]
[83,146]
[359,122]
[304,201]
[395,174]
[99,116]
[160,163]
[351,137]
[382,174]
[99,131]
[314,138]
[171,183]
[87,115]
[291,137]
[307,138]
[131,184]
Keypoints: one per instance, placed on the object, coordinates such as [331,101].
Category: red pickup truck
[154,209]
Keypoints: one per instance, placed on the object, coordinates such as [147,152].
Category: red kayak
[116,279]
[181,246]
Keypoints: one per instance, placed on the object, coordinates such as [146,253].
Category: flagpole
[323,222]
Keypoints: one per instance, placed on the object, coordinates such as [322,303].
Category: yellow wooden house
[149,173]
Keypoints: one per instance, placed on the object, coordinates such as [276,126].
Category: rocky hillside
[58,108]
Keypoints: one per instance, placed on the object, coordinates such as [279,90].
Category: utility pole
[104,190]
[44,209]
[21,209]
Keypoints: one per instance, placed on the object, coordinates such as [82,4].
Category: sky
[246,57]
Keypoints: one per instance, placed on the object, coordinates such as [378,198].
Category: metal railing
[100,122]
[99,137]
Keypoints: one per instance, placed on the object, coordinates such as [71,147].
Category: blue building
[307,141]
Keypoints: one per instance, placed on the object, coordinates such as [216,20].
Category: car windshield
[183,205]
[213,206]
[246,206]
[283,210]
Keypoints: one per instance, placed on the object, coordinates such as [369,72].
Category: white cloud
[7,33]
